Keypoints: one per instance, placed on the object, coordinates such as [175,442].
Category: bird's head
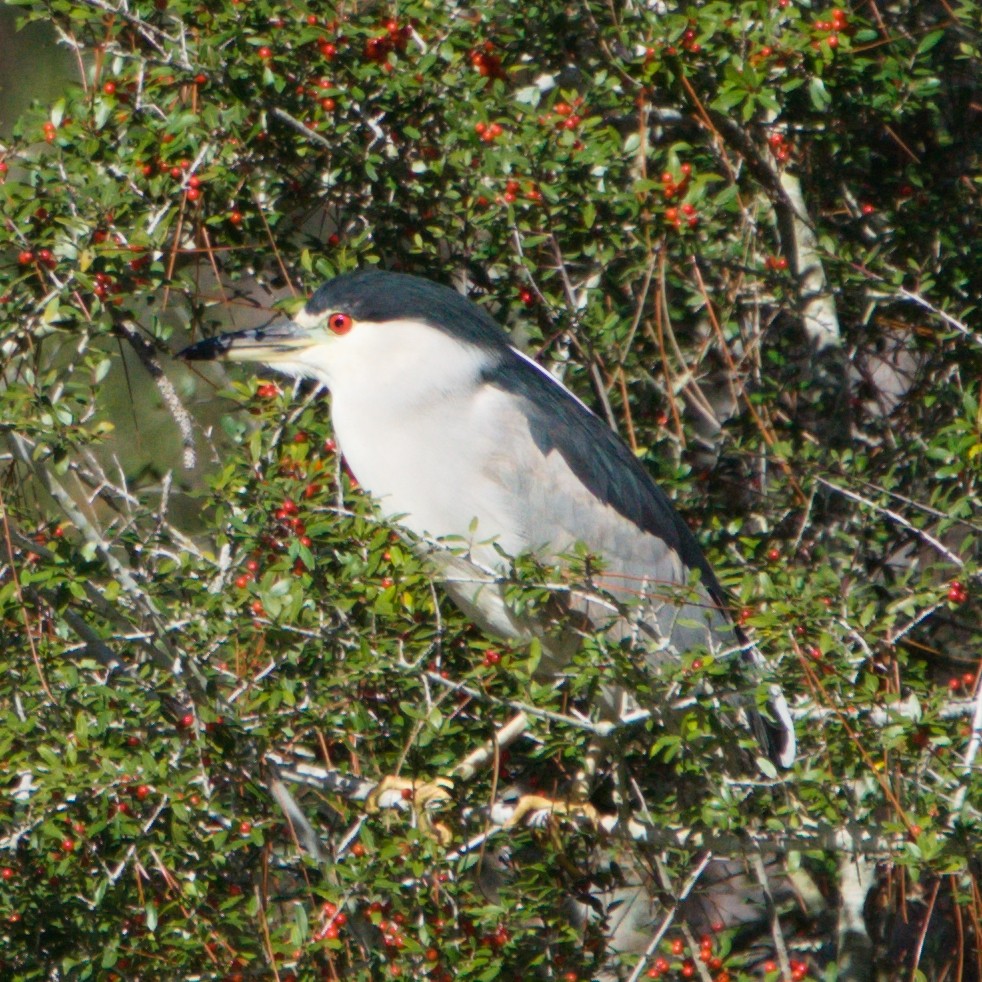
[371,327]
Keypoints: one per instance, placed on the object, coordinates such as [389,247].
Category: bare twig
[148,358]
[895,517]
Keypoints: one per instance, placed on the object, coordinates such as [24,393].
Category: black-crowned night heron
[461,437]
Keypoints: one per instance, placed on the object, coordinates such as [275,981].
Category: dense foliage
[746,234]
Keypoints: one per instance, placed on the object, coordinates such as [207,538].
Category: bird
[483,455]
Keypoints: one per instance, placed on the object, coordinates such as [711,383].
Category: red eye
[340,323]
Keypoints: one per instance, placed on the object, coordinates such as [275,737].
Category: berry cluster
[687,967]
[393,41]
[287,521]
[564,115]
[491,658]
[799,969]
[488,132]
[676,188]
[332,922]
[689,42]
[837,23]
[673,189]
[674,216]
[513,189]
[965,681]
[780,146]
[43,256]
[486,61]
[957,592]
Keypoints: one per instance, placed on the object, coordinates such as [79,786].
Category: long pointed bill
[279,341]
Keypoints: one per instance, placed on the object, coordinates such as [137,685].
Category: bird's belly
[429,475]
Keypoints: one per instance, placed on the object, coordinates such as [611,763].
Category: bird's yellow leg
[423,797]
[539,807]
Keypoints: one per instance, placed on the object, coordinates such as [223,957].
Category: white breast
[419,430]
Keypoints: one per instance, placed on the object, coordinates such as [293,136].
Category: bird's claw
[423,797]
[537,809]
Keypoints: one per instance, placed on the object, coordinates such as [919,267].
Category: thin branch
[148,358]
[302,128]
[971,752]
[896,517]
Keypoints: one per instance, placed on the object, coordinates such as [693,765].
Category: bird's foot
[536,810]
[423,797]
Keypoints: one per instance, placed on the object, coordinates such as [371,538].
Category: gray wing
[581,483]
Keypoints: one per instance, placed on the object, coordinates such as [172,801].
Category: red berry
[25,257]
[245,828]
[142,792]
[235,217]
[957,592]
[6,874]
[265,53]
[678,946]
